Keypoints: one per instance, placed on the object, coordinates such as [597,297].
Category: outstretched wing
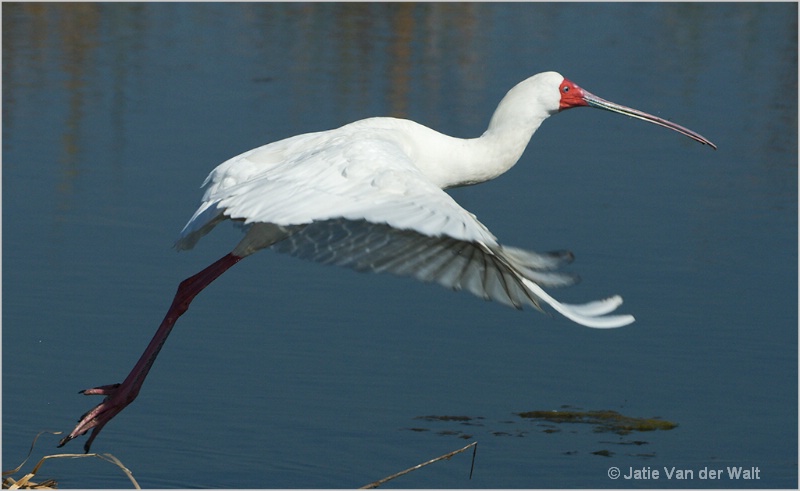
[361,203]
[507,275]
[317,177]
[490,273]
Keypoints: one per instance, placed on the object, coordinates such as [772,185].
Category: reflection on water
[288,374]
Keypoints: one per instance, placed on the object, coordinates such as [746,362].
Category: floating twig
[446,456]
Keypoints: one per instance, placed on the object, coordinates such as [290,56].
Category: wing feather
[362,203]
[366,246]
[358,179]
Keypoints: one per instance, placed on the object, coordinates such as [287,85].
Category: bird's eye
[565,88]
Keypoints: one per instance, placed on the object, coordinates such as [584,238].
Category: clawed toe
[103,390]
[65,440]
[118,397]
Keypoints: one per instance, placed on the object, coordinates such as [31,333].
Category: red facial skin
[571,95]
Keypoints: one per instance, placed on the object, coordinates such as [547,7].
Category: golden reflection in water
[376,45]
[361,55]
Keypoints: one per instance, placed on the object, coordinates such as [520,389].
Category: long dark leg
[118,396]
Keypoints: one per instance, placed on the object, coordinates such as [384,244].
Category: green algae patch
[604,421]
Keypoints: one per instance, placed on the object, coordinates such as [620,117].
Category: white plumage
[369,195]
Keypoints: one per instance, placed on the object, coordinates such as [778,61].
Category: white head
[529,102]
[535,99]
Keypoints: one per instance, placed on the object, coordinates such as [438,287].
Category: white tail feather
[590,314]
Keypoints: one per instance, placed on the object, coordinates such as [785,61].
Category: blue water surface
[288,374]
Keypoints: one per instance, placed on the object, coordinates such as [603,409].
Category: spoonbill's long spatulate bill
[574,96]
[370,196]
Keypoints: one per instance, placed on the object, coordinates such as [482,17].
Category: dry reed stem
[446,456]
[26,483]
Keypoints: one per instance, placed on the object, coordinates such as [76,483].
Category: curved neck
[451,162]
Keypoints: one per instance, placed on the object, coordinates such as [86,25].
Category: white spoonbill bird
[369,195]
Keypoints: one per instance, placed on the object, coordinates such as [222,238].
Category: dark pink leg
[118,396]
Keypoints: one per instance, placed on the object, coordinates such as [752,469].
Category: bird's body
[370,195]
[367,170]
[383,170]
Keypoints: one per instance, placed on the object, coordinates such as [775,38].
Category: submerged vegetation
[551,422]
[604,421]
